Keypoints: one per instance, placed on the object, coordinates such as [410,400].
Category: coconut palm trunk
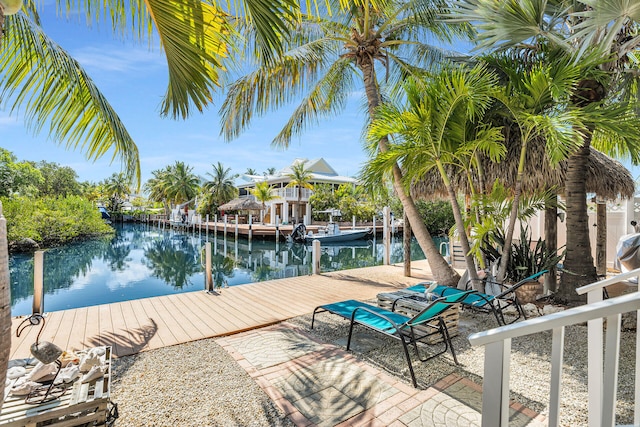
[5,303]
[442,272]
[578,263]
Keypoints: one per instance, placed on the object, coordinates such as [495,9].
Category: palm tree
[270,171]
[250,171]
[325,58]
[300,177]
[263,193]
[183,185]
[605,32]
[439,126]
[157,187]
[117,187]
[220,189]
[47,86]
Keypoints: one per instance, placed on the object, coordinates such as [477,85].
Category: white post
[386,215]
[354,222]
[250,230]
[277,228]
[225,226]
[206,228]
[215,223]
[495,386]
[38,282]
[315,257]
[208,278]
[236,231]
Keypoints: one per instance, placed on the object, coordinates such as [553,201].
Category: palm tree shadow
[128,342]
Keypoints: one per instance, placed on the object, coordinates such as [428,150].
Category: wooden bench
[80,404]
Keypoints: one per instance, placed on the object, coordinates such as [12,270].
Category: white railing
[291,193]
[596,385]
[497,342]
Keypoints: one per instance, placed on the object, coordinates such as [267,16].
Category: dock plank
[144,324]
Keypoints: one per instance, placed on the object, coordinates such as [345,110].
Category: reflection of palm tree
[221,269]
[173,265]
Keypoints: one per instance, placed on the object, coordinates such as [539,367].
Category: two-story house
[284,208]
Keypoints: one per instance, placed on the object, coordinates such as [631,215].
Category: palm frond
[40,79]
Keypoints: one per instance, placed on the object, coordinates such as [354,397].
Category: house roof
[321,171]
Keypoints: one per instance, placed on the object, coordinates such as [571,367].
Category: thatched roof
[606,177]
[241,204]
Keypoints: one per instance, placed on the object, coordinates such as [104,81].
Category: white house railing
[602,384]
[291,193]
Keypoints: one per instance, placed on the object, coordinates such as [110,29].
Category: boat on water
[331,233]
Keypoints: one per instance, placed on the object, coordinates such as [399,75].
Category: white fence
[620,213]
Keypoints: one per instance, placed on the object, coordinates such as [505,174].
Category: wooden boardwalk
[144,324]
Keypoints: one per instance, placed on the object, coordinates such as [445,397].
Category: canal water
[144,261]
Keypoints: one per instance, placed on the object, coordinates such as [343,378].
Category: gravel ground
[199,384]
[193,384]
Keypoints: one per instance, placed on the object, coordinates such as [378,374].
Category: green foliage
[17,177]
[351,201]
[524,260]
[437,215]
[57,180]
[52,221]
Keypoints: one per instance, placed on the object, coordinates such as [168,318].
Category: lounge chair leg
[350,333]
[447,338]
[406,354]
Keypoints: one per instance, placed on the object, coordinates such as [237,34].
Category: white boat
[331,233]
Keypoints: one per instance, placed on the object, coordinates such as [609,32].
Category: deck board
[144,324]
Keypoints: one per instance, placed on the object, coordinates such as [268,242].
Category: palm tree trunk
[5,303]
[442,272]
[464,240]
[578,264]
[1,30]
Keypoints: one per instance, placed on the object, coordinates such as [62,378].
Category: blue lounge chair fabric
[397,325]
[485,302]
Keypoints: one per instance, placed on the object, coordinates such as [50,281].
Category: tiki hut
[241,204]
[606,177]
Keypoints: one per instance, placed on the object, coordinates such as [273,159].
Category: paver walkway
[319,384]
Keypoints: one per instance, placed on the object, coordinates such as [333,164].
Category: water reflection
[143,261]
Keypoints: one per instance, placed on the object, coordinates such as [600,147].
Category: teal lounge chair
[485,302]
[397,325]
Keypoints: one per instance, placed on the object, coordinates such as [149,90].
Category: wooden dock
[138,325]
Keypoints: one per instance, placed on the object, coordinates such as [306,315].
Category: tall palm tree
[439,126]
[117,187]
[157,187]
[263,193]
[300,177]
[325,58]
[251,171]
[183,184]
[606,30]
[220,189]
[270,171]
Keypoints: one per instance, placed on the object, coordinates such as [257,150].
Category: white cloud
[120,60]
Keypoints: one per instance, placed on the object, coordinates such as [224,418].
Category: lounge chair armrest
[382,316]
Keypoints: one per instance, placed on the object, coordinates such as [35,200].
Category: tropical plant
[263,193]
[17,177]
[250,171]
[438,126]
[157,187]
[270,171]
[326,58]
[220,189]
[116,188]
[182,184]
[606,30]
[299,178]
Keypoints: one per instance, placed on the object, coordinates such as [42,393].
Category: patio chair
[409,330]
[484,302]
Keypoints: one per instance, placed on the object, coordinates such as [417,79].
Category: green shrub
[52,221]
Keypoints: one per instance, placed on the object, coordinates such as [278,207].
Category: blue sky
[133,79]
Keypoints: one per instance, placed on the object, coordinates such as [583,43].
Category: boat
[331,233]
